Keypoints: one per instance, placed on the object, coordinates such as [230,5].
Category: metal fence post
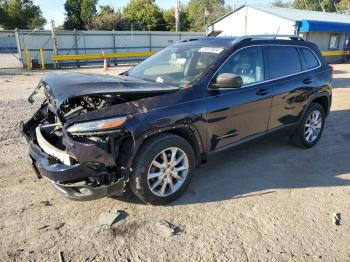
[28,59]
[150,42]
[42,58]
[114,47]
[19,48]
[76,45]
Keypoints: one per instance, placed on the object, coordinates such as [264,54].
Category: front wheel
[162,169]
[311,127]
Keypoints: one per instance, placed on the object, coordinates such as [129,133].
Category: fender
[312,98]
[138,141]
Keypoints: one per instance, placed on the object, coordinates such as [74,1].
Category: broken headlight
[96,126]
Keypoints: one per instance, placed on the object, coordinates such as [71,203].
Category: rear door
[291,82]
[236,114]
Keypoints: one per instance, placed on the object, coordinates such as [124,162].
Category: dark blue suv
[148,128]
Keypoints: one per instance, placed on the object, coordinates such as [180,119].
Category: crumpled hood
[62,86]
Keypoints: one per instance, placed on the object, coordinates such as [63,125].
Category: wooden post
[42,59]
[28,59]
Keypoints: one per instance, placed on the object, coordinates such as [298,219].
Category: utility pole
[319,2]
[206,15]
[233,5]
[54,39]
[336,8]
[177,16]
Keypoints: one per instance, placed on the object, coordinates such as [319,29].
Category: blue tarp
[322,26]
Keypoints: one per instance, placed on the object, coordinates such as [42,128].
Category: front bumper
[70,179]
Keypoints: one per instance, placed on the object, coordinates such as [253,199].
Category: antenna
[278,30]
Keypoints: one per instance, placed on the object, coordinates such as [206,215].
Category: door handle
[262,92]
[307,81]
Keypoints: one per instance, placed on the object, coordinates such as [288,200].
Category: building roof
[299,15]
[296,14]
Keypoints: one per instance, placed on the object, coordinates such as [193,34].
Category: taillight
[331,69]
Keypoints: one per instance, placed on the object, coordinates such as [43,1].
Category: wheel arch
[322,98]
[323,101]
[130,146]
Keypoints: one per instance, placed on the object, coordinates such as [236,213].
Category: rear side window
[309,59]
[283,60]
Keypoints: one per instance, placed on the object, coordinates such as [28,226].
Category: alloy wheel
[168,171]
[313,126]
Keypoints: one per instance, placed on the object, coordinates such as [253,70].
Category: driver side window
[247,63]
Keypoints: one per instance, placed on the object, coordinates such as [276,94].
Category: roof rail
[262,37]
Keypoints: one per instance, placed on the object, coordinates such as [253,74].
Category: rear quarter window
[309,59]
[283,61]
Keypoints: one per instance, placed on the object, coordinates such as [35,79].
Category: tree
[144,15]
[316,5]
[73,11]
[344,6]
[88,13]
[108,19]
[80,14]
[197,8]
[280,3]
[170,22]
[21,14]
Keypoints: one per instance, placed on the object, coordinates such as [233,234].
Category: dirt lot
[9,61]
[266,202]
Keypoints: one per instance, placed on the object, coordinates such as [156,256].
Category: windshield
[177,65]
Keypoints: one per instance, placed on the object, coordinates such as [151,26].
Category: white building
[328,30]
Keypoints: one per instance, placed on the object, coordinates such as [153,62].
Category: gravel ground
[9,61]
[266,202]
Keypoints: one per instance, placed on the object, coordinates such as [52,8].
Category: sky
[54,9]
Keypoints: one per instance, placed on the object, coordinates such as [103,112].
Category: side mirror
[227,80]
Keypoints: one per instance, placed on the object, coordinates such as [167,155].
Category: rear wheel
[311,127]
[162,169]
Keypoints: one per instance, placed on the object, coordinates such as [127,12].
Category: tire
[303,138]
[149,174]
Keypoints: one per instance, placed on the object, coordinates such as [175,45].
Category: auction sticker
[215,50]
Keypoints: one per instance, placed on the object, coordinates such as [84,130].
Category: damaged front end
[79,157]
[81,167]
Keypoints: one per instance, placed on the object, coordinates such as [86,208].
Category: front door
[237,114]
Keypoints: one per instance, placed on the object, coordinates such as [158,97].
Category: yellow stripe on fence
[144,54]
[334,53]
[100,56]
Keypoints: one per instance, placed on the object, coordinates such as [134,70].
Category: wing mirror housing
[227,80]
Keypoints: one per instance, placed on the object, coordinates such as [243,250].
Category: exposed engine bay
[81,105]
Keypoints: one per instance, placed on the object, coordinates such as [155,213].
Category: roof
[296,14]
[212,41]
[299,15]
[231,41]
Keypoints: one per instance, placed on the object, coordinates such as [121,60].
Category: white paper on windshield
[215,50]
[181,61]
[160,80]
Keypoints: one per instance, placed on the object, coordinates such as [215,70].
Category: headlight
[97,126]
